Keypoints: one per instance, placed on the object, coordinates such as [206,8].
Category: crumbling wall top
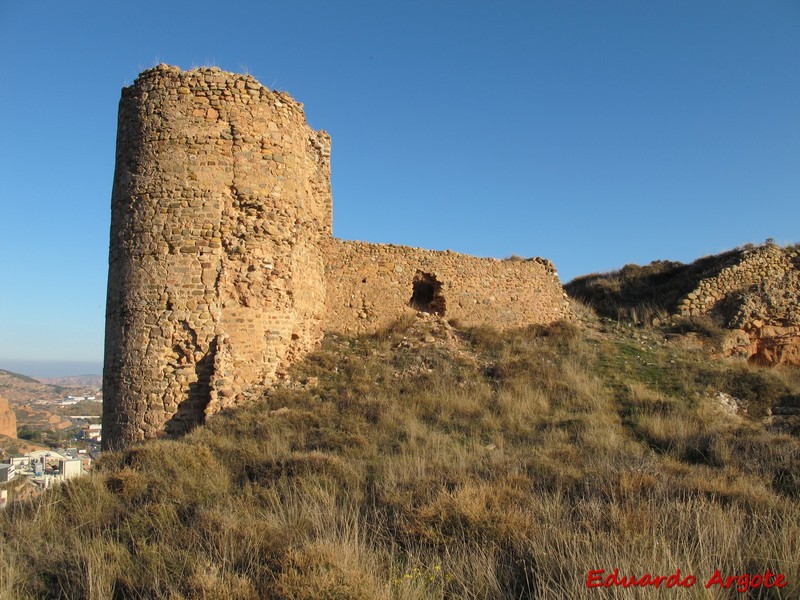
[213,77]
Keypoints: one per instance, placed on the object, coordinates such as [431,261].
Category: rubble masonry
[222,268]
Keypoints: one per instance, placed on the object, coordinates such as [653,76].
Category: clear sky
[593,133]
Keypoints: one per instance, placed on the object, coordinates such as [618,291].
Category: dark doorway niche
[427,295]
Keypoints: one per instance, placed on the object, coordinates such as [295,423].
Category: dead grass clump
[397,327]
[643,399]
[707,326]
[196,476]
[583,311]
[314,465]
[329,570]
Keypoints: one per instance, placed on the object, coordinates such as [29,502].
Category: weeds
[507,467]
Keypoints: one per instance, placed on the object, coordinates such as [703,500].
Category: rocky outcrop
[758,299]
[8,420]
[752,292]
[776,345]
[760,269]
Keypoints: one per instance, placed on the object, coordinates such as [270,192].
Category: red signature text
[741,583]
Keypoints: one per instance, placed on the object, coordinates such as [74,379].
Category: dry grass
[507,469]
[639,293]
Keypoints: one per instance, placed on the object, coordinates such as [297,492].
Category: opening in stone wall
[427,295]
[191,410]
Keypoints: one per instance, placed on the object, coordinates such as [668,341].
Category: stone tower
[221,201]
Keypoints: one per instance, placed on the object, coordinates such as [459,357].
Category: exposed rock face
[776,345]
[8,420]
[766,345]
[222,267]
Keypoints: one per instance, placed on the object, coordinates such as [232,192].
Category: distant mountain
[17,376]
[19,389]
[77,381]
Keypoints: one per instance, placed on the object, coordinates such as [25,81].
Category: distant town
[49,433]
[42,468]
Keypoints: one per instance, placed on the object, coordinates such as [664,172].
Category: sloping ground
[17,388]
[753,292]
[15,447]
[638,292]
[427,462]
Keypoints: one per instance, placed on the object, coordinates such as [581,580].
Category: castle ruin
[222,266]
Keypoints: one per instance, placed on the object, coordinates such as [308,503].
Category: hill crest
[752,293]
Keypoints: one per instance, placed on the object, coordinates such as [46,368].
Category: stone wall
[221,195]
[757,296]
[8,420]
[221,256]
[758,266]
[372,285]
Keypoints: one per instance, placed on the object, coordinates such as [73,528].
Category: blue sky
[592,133]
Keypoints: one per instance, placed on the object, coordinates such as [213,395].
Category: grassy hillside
[427,462]
[641,292]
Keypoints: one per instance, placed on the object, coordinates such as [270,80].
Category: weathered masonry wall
[761,266]
[216,278]
[758,297]
[371,285]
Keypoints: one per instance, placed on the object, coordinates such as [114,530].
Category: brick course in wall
[222,268]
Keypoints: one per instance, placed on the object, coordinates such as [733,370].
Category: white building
[21,462]
[70,468]
[6,472]
[47,467]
